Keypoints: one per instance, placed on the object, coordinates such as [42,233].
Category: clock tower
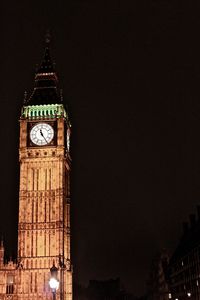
[44,192]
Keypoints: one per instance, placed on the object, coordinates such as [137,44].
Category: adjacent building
[157,285]
[44,195]
[184,266]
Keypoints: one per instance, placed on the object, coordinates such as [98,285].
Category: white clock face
[41,134]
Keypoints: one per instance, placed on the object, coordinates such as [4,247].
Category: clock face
[41,134]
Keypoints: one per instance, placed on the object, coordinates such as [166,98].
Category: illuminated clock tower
[44,193]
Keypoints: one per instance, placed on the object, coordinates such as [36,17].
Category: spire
[47,37]
[46,64]
[46,82]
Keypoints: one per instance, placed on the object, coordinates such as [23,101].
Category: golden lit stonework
[44,196]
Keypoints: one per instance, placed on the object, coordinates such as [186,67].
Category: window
[10,284]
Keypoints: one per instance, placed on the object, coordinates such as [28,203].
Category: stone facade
[44,199]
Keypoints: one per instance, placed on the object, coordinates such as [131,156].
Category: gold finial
[47,37]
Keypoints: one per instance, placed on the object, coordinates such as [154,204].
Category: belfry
[44,196]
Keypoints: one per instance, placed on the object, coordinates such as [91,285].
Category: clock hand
[43,135]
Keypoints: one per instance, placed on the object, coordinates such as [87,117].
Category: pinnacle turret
[1,253]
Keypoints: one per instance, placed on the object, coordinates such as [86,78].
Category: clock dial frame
[41,134]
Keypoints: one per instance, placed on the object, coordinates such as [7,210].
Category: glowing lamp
[54,284]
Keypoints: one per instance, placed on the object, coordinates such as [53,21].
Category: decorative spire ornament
[47,37]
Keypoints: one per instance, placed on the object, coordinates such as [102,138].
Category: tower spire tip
[47,37]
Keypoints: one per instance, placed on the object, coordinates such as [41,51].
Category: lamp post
[53,282]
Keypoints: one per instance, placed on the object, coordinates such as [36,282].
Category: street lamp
[53,282]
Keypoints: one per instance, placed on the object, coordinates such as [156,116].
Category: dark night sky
[130,74]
